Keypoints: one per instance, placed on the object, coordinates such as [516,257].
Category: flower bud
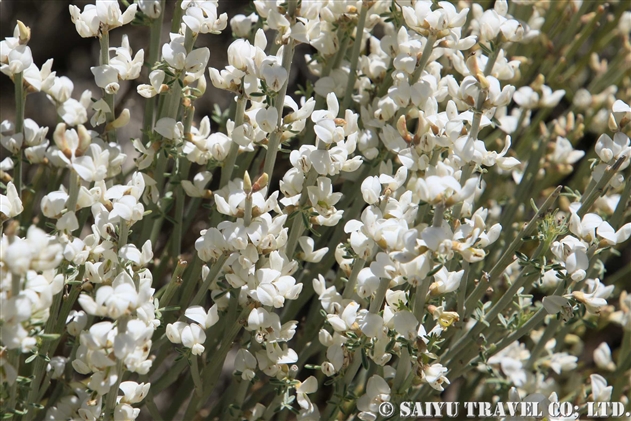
[260,183]
[84,139]
[121,121]
[24,33]
[247,183]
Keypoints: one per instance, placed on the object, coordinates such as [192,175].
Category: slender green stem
[174,284]
[73,194]
[247,217]
[508,255]
[600,187]
[210,374]
[104,41]
[349,290]
[14,354]
[475,126]
[123,234]
[271,408]
[20,99]
[274,142]
[548,334]
[39,370]
[297,225]
[152,407]
[181,173]
[110,401]
[354,59]
[212,275]
[420,296]
[190,279]
[169,377]
[228,165]
[624,364]
[403,367]
[197,380]
[236,407]
[177,17]
[155,30]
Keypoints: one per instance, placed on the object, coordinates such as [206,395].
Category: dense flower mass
[424,214]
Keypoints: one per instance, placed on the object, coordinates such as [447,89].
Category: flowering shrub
[421,218]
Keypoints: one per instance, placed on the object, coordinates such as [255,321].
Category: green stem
[152,407]
[197,380]
[228,165]
[212,275]
[508,255]
[624,364]
[271,408]
[123,234]
[73,194]
[104,41]
[548,334]
[210,374]
[177,17]
[349,290]
[274,142]
[600,187]
[181,173]
[190,281]
[236,407]
[475,126]
[174,284]
[420,296]
[155,30]
[110,402]
[39,370]
[20,99]
[354,59]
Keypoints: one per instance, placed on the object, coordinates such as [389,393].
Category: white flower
[106,77]
[193,63]
[104,12]
[156,85]
[202,18]
[127,68]
[267,119]
[307,387]
[199,315]
[435,375]
[245,363]
[76,322]
[308,253]
[197,188]
[608,149]
[134,392]
[150,8]
[322,197]
[19,59]
[446,282]
[241,24]
[112,301]
[564,153]
[377,392]
[138,257]
[405,323]
[125,412]
[10,205]
[600,391]
[602,357]
[38,251]
[193,337]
